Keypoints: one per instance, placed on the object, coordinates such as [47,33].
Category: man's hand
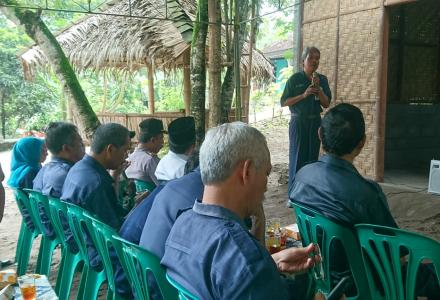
[311,90]
[115,173]
[296,260]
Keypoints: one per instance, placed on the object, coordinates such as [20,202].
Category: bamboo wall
[131,121]
[348,34]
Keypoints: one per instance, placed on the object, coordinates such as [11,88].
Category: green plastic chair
[103,239]
[317,229]
[48,244]
[138,264]
[70,261]
[381,248]
[81,226]
[26,236]
[184,294]
[142,186]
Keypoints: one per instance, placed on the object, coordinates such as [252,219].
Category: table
[44,289]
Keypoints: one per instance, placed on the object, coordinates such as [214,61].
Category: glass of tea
[27,287]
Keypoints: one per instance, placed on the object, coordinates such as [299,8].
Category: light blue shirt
[210,252]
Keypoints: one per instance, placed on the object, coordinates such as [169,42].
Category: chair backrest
[102,236]
[23,204]
[317,229]
[80,226]
[38,202]
[382,248]
[58,212]
[142,186]
[184,294]
[139,264]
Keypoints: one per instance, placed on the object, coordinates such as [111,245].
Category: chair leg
[28,239]
[20,242]
[47,247]
[93,282]
[66,272]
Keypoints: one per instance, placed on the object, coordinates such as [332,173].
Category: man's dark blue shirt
[131,229]
[210,252]
[89,185]
[49,181]
[177,195]
[333,187]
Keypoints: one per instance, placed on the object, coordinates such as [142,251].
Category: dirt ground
[413,210]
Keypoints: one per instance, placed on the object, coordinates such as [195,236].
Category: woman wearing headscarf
[27,155]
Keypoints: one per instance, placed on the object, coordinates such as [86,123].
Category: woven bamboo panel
[365,162]
[348,6]
[358,56]
[322,34]
[319,9]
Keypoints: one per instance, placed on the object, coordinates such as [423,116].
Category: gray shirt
[143,164]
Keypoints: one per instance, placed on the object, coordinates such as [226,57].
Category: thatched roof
[102,42]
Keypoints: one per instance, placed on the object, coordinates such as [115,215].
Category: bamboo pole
[187,82]
[151,88]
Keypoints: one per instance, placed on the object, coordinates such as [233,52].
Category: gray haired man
[209,250]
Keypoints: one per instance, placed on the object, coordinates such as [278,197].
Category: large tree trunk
[198,69]
[38,31]
[215,53]
[228,85]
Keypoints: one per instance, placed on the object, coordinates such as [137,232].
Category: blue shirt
[50,179]
[133,225]
[210,252]
[177,195]
[89,185]
[333,187]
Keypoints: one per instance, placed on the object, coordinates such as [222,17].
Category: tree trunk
[198,69]
[38,31]
[3,116]
[215,59]
[228,85]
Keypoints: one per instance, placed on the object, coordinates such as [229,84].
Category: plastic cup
[27,287]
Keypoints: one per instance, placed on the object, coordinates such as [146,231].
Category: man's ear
[361,144]
[320,134]
[247,166]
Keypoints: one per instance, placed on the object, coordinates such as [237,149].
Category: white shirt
[171,166]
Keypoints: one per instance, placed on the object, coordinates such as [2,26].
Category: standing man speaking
[306,92]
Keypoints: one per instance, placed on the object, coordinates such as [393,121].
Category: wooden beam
[151,88]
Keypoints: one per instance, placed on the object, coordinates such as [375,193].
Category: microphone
[315,75]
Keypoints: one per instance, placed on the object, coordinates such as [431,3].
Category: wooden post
[151,87]
[380,116]
[187,82]
[214,54]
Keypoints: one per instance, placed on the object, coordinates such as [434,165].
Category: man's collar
[217,211]
[58,159]
[96,165]
[339,162]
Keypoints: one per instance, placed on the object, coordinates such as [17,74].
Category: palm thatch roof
[105,42]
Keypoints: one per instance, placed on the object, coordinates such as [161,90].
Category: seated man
[181,139]
[333,187]
[209,250]
[144,159]
[88,183]
[66,146]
